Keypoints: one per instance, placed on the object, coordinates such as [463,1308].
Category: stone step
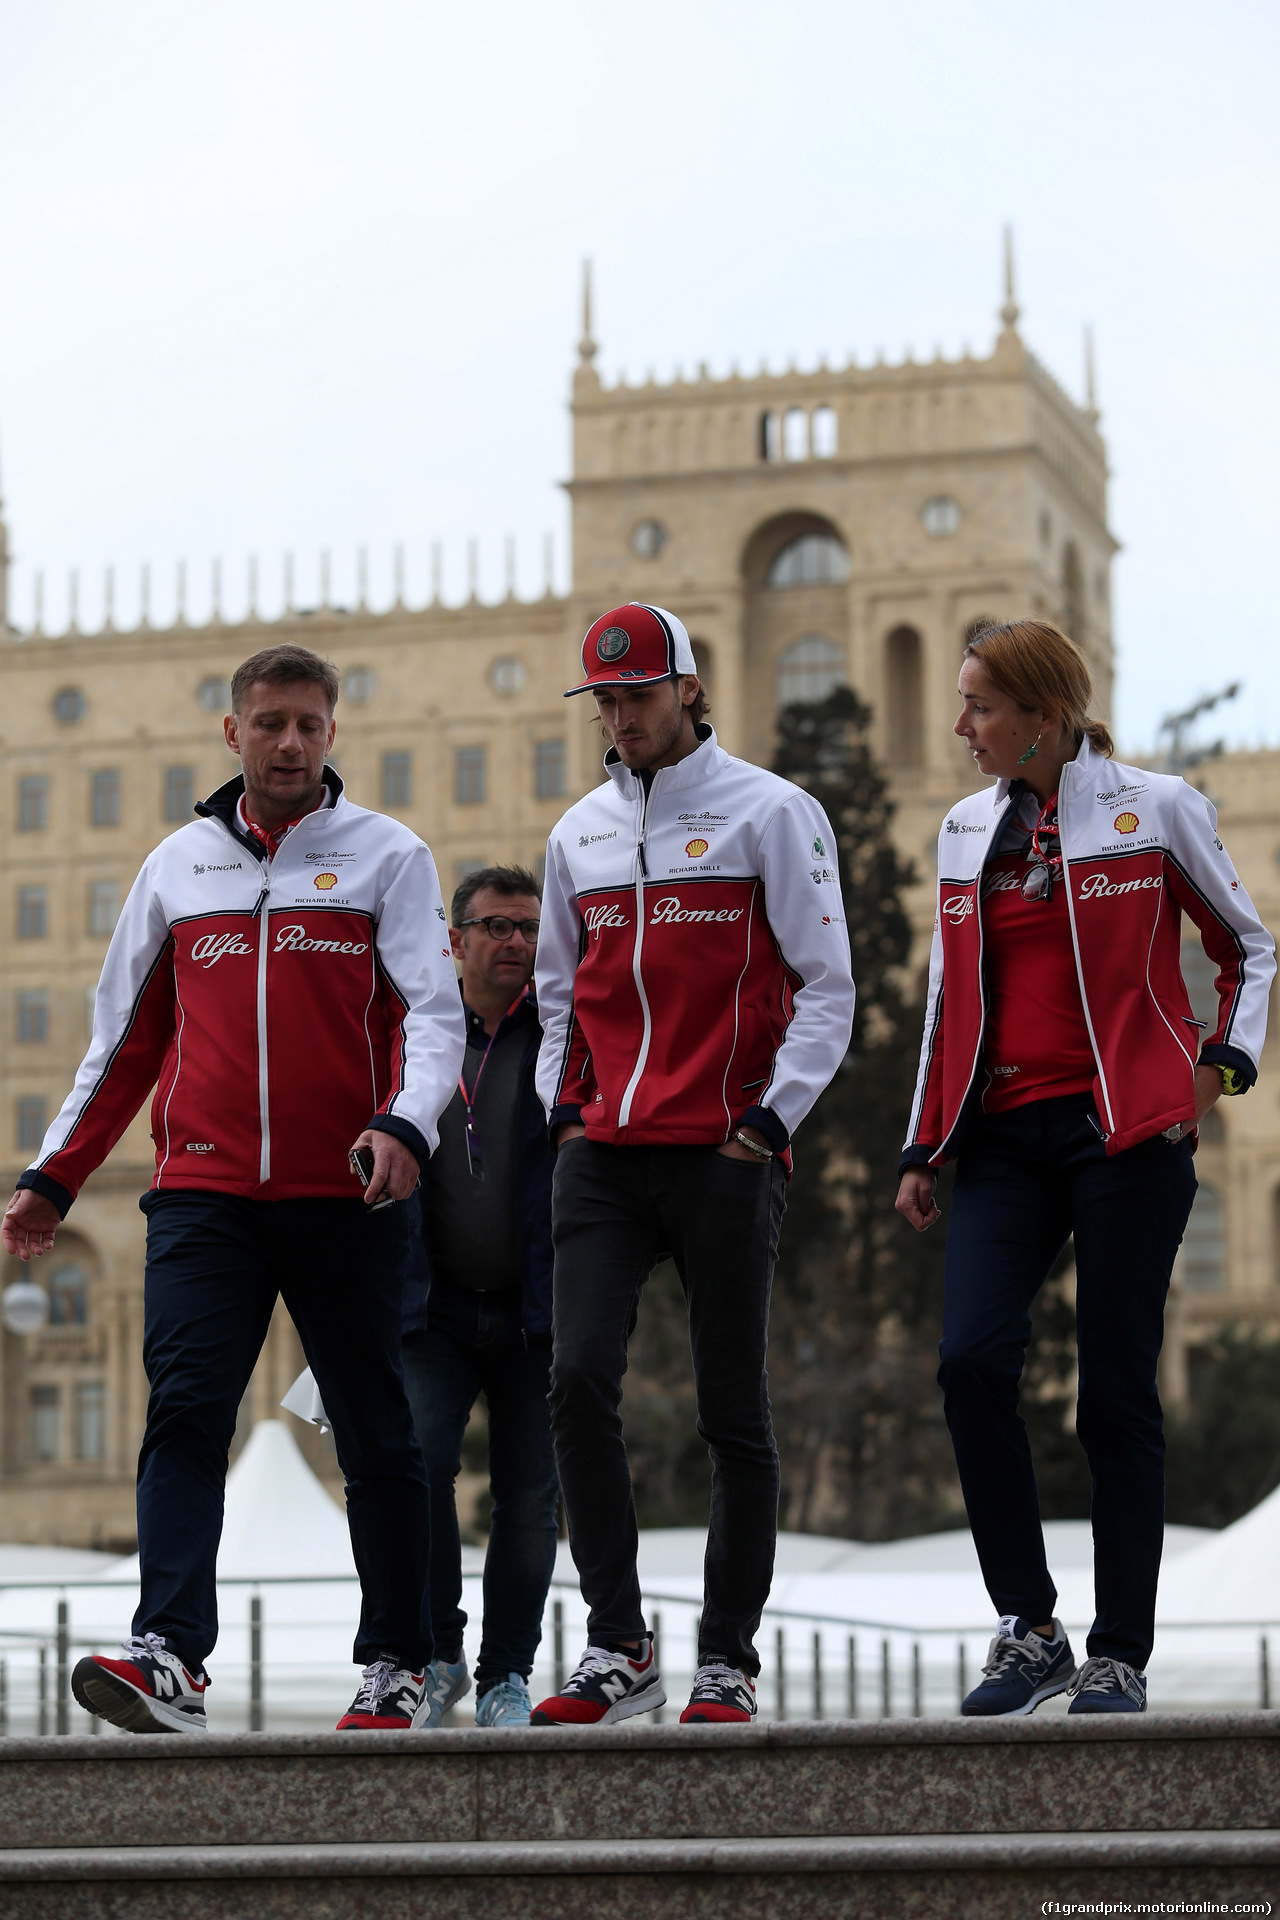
[1155,1773]
[1001,1876]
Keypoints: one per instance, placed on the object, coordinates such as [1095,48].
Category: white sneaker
[390,1699]
[447,1681]
[149,1691]
[603,1688]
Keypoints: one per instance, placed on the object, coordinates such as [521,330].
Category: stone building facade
[845,523]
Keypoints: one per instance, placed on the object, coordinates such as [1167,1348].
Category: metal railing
[818,1665]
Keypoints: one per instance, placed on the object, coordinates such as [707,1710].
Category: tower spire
[1010,310]
[1090,377]
[587,345]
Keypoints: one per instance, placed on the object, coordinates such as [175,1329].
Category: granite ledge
[457,1743]
[905,1854]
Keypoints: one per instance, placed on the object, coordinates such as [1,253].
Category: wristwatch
[1231,1081]
[753,1146]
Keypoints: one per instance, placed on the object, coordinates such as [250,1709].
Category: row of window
[102,910]
[178,795]
[471,782]
[46,1442]
[798,435]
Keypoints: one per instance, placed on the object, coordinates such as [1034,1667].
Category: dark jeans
[616,1212]
[1025,1180]
[214,1267]
[474,1343]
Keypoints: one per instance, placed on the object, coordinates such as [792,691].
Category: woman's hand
[916,1201]
[1208,1089]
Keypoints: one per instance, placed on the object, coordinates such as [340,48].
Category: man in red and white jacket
[694,986]
[1139,850]
[281,975]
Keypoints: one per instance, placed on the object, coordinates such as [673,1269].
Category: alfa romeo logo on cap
[613,643]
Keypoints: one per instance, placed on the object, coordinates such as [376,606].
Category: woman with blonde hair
[1064,1072]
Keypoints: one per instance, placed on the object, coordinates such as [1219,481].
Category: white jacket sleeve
[1210,892]
[133,1025]
[563,1064]
[804,907]
[428,1028]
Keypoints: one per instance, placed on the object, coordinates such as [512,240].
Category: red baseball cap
[632,645]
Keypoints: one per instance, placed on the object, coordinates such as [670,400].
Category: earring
[1031,752]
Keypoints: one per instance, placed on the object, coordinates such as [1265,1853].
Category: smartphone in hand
[361,1159]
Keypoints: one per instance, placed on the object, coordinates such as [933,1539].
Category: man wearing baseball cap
[694,987]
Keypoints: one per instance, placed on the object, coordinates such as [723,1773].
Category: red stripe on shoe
[374,1723]
[712,1713]
[571,1712]
[123,1670]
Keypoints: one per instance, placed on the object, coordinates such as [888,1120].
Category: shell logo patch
[1126,823]
[696,848]
[324,881]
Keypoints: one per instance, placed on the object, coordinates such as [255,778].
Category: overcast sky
[283,275]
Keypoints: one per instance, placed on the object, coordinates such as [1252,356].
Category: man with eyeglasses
[478,1306]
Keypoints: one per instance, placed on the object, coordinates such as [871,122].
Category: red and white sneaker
[720,1692]
[604,1687]
[390,1700]
[149,1691]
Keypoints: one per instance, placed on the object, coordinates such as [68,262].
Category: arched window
[825,431]
[68,1296]
[795,434]
[1203,1258]
[814,560]
[903,697]
[810,669]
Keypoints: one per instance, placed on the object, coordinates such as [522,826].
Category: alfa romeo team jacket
[274,1007]
[693,963]
[1138,851]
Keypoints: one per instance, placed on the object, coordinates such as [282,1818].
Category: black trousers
[1025,1180]
[616,1212]
[215,1265]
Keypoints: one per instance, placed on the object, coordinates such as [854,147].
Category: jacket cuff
[1230,1057]
[567,1115]
[916,1156]
[402,1130]
[36,1182]
[766,1121]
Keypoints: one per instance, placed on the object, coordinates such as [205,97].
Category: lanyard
[475,1154]
[1045,866]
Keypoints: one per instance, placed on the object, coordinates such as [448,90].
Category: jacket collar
[707,758]
[525,1008]
[224,802]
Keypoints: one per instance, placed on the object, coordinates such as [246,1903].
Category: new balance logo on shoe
[390,1699]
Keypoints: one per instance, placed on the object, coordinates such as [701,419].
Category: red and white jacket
[278,1009]
[693,963]
[1138,851]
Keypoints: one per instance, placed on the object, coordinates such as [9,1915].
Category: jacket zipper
[1075,947]
[624,1109]
[264,1105]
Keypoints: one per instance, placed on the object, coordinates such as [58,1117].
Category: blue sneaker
[1108,1686]
[506,1705]
[1022,1669]
[447,1681]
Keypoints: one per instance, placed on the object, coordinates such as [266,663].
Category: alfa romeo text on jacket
[278,1009]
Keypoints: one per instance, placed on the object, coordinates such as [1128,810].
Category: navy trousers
[1025,1181]
[475,1343]
[215,1265]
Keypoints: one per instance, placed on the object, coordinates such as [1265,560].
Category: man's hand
[30,1222]
[733,1151]
[916,1201]
[571,1130]
[395,1168]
